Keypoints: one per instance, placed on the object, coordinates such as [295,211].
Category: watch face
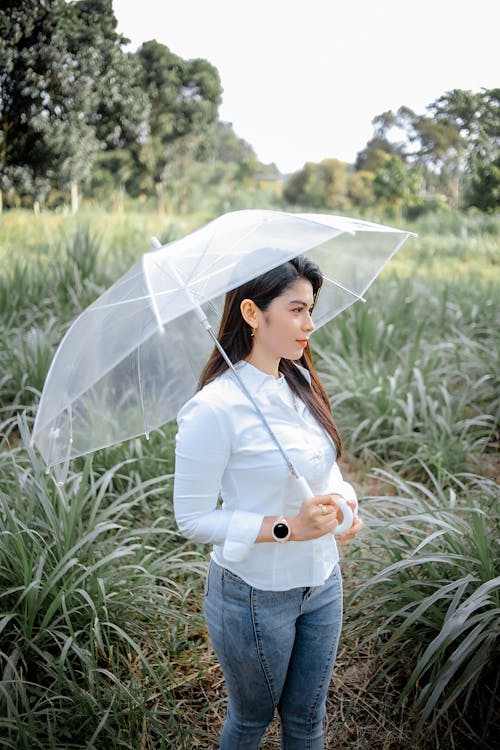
[281,530]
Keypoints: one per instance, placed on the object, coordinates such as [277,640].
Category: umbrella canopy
[133,358]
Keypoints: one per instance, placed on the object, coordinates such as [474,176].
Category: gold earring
[252,333]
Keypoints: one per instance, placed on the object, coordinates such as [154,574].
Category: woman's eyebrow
[299,302]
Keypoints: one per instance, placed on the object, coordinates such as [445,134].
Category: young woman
[273,595]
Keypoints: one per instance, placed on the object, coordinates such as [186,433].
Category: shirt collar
[255,378]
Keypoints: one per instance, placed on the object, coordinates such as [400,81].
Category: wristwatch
[281,530]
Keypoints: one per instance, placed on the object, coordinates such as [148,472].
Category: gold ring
[324,509]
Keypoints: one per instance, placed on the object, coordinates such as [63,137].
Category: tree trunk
[36,207]
[74,196]
[160,198]
[457,190]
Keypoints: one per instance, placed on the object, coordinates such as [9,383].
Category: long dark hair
[235,337]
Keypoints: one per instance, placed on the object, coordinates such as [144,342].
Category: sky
[303,79]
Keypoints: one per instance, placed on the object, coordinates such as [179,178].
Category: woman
[273,595]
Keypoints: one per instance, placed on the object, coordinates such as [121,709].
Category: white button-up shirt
[223,450]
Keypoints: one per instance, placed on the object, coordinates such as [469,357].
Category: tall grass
[429,598]
[42,291]
[91,600]
[101,643]
[413,376]
[451,245]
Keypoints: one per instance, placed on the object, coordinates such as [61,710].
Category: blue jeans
[277,650]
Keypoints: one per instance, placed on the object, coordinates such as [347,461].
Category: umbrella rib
[341,286]
[152,295]
[209,243]
[141,395]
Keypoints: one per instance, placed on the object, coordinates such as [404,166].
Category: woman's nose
[309,323]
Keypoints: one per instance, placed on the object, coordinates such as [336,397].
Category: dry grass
[357,715]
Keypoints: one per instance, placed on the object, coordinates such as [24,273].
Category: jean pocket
[230,576]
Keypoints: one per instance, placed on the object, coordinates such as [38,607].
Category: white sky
[303,79]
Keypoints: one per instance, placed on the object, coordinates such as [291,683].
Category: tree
[374,153]
[477,118]
[112,173]
[323,185]
[67,90]
[438,147]
[484,187]
[118,110]
[394,185]
[228,147]
[360,188]
[184,97]
[456,146]
[183,172]
[31,57]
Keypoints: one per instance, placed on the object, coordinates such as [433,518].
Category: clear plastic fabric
[133,358]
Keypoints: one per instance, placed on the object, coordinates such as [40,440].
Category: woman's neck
[269,365]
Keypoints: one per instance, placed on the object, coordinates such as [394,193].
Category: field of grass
[102,643]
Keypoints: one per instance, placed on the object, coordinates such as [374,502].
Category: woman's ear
[249,312]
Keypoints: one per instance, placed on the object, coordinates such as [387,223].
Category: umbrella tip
[155,243]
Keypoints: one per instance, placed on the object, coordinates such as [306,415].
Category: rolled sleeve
[203,449]
[241,534]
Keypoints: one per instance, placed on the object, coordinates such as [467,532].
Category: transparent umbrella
[133,358]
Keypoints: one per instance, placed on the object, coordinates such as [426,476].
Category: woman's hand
[317,516]
[321,515]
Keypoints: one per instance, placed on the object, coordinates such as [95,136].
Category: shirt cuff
[241,534]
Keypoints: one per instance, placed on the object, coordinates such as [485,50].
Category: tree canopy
[184,97]
[447,156]
[67,91]
[77,108]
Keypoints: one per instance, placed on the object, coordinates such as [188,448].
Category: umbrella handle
[348,515]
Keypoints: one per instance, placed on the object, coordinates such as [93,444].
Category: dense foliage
[449,156]
[80,113]
[67,91]
[73,101]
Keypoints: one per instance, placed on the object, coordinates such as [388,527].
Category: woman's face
[284,328]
